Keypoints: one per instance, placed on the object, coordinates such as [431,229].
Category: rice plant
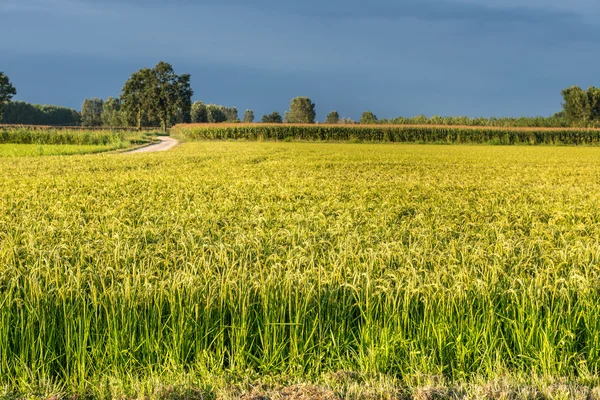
[467,263]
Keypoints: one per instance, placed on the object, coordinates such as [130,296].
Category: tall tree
[19,112]
[7,91]
[215,114]
[159,94]
[199,113]
[273,118]
[136,96]
[249,116]
[91,112]
[302,111]
[575,105]
[593,94]
[332,118]
[184,102]
[368,118]
[112,114]
[231,113]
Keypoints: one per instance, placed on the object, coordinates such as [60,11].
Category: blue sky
[394,57]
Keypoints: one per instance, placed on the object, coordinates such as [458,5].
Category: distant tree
[18,112]
[7,91]
[184,101]
[215,114]
[171,94]
[91,112]
[368,118]
[579,106]
[231,114]
[158,94]
[593,94]
[273,118]
[346,121]
[112,114]
[136,96]
[249,116]
[332,118]
[198,114]
[302,111]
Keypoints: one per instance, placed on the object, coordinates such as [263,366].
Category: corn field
[121,275]
[440,134]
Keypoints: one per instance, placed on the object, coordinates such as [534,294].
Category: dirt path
[166,143]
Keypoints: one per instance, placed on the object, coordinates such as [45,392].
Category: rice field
[243,269]
[33,150]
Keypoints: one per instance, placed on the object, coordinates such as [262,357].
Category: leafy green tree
[215,114]
[7,91]
[199,112]
[184,102]
[368,118]
[91,112]
[577,106]
[231,114]
[302,111]
[332,118]
[593,94]
[171,93]
[273,118]
[158,94]
[112,114]
[249,116]
[18,112]
[136,96]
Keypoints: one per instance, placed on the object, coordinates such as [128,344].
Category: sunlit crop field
[120,275]
[32,150]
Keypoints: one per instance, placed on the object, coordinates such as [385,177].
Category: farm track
[166,143]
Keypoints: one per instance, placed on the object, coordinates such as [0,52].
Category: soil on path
[166,143]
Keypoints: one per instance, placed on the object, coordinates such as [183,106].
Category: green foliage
[302,111]
[368,118]
[215,114]
[556,121]
[199,113]
[50,136]
[453,263]
[249,116]
[36,150]
[112,114]
[18,112]
[158,94]
[91,112]
[273,118]
[332,118]
[581,108]
[391,133]
[137,97]
[7,91]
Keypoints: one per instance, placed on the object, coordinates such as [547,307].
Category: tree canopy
[7,91]
[158,94]
[581,107]
[368,118]
[332,118]
[273,118]
[249,116]
[91,112]
[302,111]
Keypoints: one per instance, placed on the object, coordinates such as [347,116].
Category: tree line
[160,97]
